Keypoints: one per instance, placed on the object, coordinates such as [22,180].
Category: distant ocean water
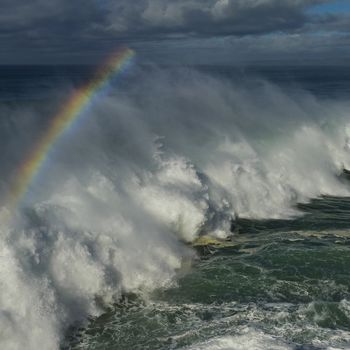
[99,255]
[25,82]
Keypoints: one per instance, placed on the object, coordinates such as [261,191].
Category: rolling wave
[172,155]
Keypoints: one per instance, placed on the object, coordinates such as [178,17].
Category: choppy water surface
[283,285]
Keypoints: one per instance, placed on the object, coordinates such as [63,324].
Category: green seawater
[284,284]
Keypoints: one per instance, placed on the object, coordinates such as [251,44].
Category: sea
[187,207]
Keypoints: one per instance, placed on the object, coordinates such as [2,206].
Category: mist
[170,156]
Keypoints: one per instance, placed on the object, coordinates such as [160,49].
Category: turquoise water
[283,284]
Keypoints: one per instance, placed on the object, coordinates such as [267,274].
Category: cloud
[278,48]
[339,23]
[84,29]
[206,17]
[142,18]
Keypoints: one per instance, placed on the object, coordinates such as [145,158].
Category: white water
[173,156]
[248,339]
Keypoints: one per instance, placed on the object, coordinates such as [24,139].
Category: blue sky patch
[340,6]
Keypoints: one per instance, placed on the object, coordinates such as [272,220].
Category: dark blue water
[36,82]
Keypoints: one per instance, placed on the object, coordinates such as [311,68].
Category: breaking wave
[171,155]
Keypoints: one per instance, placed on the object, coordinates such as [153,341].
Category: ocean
[105,249]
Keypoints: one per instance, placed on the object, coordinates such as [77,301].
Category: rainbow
[73,109]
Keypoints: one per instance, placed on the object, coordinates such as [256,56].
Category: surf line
[70,113]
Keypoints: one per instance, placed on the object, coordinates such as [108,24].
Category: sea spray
[172,156]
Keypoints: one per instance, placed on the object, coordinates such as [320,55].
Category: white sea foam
[156,165]
[247,339]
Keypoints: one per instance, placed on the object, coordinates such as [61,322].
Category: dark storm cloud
[140,18]
[220,17]
[339,23]
[67,28]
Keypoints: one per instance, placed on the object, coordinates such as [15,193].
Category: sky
[331,7]
[176,31]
